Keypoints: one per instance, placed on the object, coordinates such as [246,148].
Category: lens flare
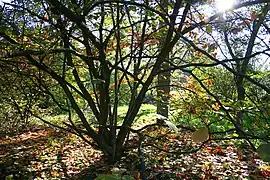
[223,5]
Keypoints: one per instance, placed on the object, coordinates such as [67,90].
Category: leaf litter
[42,152]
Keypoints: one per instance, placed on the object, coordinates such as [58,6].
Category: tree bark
[163,90]
[163,83]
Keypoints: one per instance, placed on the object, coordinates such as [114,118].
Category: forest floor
[41,152]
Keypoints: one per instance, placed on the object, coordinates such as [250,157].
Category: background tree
[253,22]
[163,79]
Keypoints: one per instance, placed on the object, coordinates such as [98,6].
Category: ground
[41,152]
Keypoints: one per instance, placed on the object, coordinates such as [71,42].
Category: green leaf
[113,177]
[2,29]
[209,29]
[9,177]
[264,152]
[108,177]
[127,177]
[132,8]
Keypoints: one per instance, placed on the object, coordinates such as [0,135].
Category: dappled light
[63,155]
[134,90]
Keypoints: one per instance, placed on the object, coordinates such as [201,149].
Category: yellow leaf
[200,135]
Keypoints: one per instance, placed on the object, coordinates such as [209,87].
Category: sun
[223,5]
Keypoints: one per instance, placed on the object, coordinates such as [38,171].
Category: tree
[254,23]
[163,80]
[20,94]
[88,48]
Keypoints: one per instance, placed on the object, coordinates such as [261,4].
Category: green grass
[146,115]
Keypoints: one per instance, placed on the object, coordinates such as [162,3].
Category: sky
[2,1]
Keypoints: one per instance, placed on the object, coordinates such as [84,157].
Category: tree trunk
[163,90]
[163,83]
[240,97]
